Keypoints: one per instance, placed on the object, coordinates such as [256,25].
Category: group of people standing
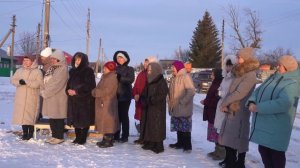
[232,98]
[74,97]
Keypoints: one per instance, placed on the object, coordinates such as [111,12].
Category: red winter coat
[138,88]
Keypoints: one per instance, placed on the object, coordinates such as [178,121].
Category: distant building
[5,63]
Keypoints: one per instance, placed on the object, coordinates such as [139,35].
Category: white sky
[143,28]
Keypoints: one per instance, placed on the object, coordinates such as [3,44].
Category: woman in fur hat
[235,128]
[125,76]
[28,80]
[81,103]
[154,114]
[229,62]
[181,94]
[107,120]
[273,105]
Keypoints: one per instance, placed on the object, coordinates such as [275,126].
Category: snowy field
[36,154]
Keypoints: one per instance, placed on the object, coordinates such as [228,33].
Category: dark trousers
[57,128]
[272,158]
[123,108]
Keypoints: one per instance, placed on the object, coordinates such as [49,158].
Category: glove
[22,82]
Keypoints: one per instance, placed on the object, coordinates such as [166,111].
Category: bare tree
[253,33]
[271,57]
[182,55]
[26,44]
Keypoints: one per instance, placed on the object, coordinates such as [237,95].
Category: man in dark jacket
[125,75]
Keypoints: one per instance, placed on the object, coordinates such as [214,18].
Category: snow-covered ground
[36,154]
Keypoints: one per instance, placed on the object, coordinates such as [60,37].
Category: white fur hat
[233,60]
[46,52]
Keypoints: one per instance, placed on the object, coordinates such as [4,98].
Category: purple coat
[211,101]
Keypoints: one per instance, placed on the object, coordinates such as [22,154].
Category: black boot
[25,132]
[77,136]
[117,136]
[30,132]
[231,157]
[179,143]
[240,163]
[187,143]
[158,147]
[83,135]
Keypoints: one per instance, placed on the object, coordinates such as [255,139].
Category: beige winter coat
[27,96]
[53,93]
[181,94]
[106,104]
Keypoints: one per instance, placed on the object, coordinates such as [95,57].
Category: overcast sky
[143,28]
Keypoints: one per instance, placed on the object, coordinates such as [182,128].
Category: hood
[124,53]
[84,60]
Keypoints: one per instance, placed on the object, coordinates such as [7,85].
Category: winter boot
[25,132]
[240,163]
[220,153]
[158,147]
[77,136]
[106,142]
[179,143]
[231,157]
[83,135]
[30,132]
[117,136]
[187,143]
[212,154]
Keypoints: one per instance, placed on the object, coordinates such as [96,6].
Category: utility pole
[102,64]
[12,45]
[46,24]
[88,33]
[222,57]
[98,59]
[38,41]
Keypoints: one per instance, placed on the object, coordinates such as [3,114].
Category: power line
[12,11]
[65,22]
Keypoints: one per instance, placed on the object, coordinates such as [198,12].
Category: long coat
[81,107]
[181,94]
[223,90]
[235,128]
[154,116]
[106,119]
[138,89]
[276,101]
[27,96]
[53,92]
[211,101]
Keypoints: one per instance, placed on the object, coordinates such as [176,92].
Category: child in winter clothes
[210,105]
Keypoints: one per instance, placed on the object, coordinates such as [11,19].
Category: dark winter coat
[211,101]
[81,107]
[154,116]
[125,76]
[107,119]
[138,89]
[235,128]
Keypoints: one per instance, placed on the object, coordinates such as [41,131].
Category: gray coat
[27,96]
[53,92]
[235,128]
[181,94]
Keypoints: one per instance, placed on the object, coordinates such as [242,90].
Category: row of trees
[205,47]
